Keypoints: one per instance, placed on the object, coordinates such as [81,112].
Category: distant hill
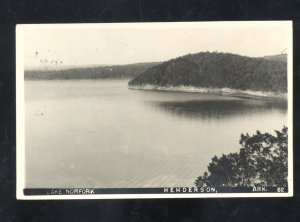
[218,70]
[279,57]
[100,72]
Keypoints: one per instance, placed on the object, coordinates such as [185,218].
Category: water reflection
[220,109]
[132,138]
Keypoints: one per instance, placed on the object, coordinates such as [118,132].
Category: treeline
[101,72]
[218,70]
[280,57]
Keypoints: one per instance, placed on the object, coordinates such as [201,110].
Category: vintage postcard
[154,110]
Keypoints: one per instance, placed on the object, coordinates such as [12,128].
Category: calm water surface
[101,134]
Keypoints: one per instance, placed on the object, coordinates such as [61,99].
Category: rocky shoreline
[220,91]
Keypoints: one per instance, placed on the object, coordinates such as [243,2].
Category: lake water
[99,133]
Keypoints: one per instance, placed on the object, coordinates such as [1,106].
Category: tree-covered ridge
[101,72]
[279,57]
[262,161]
[218,70]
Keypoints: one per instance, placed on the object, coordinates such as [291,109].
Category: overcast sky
[147,42]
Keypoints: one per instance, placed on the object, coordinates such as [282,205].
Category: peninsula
[215,72]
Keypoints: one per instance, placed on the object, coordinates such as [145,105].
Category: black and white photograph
[154,110]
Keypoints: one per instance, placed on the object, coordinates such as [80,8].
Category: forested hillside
[218,70]
[279,57]
[101,72]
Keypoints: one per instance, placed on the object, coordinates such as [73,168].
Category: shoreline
[79,79]
[219,91]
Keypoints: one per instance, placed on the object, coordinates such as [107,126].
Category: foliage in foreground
[262,161]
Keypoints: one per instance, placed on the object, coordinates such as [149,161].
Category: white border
[20,113]
[20,108]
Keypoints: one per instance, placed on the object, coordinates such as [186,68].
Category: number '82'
[280,189]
